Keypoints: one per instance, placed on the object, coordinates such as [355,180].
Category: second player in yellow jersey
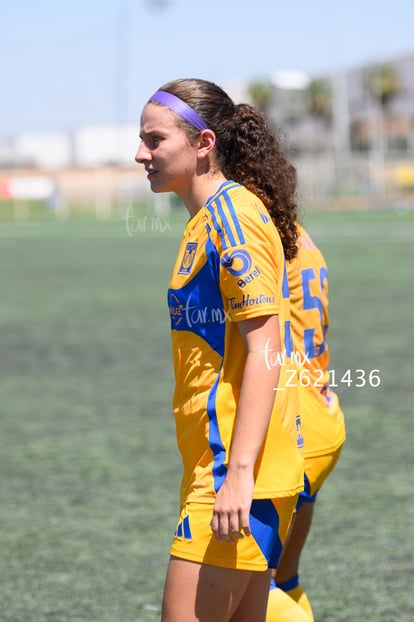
[322,418]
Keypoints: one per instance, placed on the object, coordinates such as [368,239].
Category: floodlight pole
[122,62]
[340,107]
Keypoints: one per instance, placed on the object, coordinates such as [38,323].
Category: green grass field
[88,461]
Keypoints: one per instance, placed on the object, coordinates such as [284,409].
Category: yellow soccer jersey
[323,424]
[230,267]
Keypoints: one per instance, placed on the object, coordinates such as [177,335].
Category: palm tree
[319,92]
[261,94]
[383,83]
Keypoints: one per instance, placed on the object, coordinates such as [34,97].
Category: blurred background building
[350,135]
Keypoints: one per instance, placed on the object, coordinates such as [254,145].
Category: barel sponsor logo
[237,262]
[249,301]
[249,277]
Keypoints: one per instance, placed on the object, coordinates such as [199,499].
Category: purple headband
[183,110]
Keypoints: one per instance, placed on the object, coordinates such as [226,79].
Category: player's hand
[231,514]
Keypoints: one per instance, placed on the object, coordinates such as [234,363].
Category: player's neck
[202,189]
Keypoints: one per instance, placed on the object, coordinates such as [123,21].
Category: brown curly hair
[249,151]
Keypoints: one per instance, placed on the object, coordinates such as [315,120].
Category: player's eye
[151,141]
[155,140]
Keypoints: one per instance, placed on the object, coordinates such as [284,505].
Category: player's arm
[257,395]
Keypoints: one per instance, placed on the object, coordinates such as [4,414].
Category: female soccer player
[237,423]
[322,419]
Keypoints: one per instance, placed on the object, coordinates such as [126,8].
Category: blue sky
[69,63]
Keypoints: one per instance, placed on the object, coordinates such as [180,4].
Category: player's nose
[142,155]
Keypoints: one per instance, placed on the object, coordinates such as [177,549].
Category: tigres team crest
[188,259]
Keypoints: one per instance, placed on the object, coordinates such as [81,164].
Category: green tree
[261,94]
[383,82]
[319,93]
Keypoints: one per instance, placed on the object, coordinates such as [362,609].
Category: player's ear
[207,141]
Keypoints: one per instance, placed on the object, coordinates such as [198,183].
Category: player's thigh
[300,528]
[197,592]
[253,605]
[292,550]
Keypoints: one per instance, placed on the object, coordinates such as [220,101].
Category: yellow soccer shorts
[317,469]
[323,429]
[269,524]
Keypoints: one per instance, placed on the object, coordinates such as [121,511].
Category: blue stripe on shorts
[264,525]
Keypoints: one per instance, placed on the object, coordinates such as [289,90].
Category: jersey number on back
[313,302]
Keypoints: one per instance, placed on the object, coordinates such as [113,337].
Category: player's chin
[154,181]
[158,186]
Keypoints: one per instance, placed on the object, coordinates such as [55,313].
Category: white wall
[99,145]
[49,150]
